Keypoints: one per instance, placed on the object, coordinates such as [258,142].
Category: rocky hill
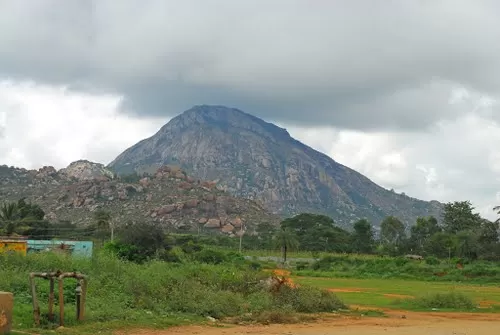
[254,159]
[168,196]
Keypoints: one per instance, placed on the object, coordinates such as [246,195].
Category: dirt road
[401,323]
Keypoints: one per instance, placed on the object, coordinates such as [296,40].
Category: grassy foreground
[410,294]
[155,294]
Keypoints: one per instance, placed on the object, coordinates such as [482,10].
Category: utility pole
[242,232]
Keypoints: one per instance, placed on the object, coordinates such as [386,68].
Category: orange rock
[213,223]
[237,222]
[228,228]
[191,203]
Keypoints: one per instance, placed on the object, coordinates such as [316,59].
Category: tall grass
[120,290]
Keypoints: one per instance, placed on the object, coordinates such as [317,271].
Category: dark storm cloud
[355,64]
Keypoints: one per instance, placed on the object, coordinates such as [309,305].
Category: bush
[450,300]
[301,266]
[431,260]
[307,300]
[191,247]
[173,256]
[209,256]
[119,290]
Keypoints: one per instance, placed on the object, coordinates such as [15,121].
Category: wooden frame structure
[81,294]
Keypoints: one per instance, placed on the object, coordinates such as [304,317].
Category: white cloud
[454,160]
[45,125]
[352,63]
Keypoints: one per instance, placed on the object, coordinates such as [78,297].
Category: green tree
[334,239]
[363,240]
[318,233]
[422,231]
[9,217]
[441,245]
[32,221]
[139,241]
[488,233]
[286,240]
[30,211]
[23,217]
[488,240]
[467,244]
[458,216]
[392,234]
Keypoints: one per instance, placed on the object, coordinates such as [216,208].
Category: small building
[14,246]
[74,248]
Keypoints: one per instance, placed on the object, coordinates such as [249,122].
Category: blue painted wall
[78,248]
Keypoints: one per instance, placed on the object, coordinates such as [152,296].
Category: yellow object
[283,277]
[13,246]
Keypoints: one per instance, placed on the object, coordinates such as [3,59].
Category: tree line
[459,233]
[23,218]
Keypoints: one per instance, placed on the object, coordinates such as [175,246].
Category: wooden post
[51,299]
[83,298]
[36,307]
[61,301]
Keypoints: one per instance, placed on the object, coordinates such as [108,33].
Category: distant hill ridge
[169,196]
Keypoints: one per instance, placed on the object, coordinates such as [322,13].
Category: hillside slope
[169,196]
[254,159]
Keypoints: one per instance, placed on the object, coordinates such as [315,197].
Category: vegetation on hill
[461,233]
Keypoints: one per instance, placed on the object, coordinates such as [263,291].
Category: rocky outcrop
[85,170]
[250,158]
[74,194]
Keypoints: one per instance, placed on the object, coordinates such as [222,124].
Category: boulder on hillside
[228,228]
[166,209]
[213,223]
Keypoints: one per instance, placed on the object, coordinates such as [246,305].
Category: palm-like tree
[286,240]
[9,215]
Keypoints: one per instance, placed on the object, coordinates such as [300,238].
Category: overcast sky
[405,92]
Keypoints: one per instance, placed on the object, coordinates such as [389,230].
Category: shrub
[450,300]
[191,247]
[209,256]
[307,300]
[302,266]
[431,260]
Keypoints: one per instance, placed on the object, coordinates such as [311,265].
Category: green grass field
[395,293]
[219,284]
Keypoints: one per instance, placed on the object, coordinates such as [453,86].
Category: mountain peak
[224,117]
[258,160]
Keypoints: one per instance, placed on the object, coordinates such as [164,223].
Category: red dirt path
[396,322]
